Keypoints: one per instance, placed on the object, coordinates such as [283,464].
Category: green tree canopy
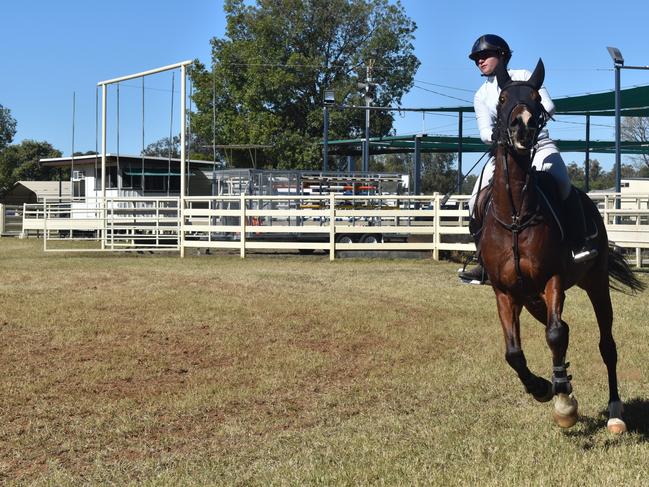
[20,162]
[270,71]
[7,127]
[438,172]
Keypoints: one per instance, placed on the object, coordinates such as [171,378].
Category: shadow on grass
[636,416]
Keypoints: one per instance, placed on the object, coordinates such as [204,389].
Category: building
[131,176]
[36,192]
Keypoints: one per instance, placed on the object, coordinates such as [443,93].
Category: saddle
[550,204]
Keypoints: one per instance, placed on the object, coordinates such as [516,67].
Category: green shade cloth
[634,102]
[406,143]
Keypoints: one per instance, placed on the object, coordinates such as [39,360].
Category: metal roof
[111,159]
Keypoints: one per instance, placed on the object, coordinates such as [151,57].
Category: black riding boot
[576,228]
[477,274]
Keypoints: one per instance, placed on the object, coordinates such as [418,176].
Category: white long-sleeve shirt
[486,100]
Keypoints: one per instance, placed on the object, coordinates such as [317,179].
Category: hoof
[564,412]
[616,426]
[545,397]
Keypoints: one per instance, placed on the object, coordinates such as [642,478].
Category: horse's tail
[620,273]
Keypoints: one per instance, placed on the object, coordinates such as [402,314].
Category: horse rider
[488,51]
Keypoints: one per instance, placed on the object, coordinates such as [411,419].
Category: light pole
[369,89]
[329,100]
[618,64]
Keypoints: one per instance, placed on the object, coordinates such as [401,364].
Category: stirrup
[584,255]
[476,276]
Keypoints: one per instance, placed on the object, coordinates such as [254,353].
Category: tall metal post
[587,161]
[459,153]
[104,88]
[183,156]
[103,141]
[368,101]
[618,63]
[417,188]
[618,132]
[366,143]
[325,145]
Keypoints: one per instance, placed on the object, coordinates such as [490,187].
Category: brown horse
[530,264]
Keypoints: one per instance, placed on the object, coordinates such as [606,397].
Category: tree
[438,173]
[7,127]
[599,178]
[162,147]
[271,69]
[21,162]
[637,129]
[577,174]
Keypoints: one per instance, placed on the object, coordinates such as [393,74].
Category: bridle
[504,131]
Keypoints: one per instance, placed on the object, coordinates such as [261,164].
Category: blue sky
[52,49]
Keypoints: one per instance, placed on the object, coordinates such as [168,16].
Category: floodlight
[616,55]
[329,97]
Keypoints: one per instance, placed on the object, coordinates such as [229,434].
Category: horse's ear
[538,75]
[502,76]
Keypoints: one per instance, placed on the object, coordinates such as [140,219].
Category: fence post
[243,226]
[23,234]
[436,225]
[638,250]
[332,226]
[44,224]
[181,223]
[2,219]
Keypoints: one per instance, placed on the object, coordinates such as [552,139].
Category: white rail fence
[113,224]
[330,223]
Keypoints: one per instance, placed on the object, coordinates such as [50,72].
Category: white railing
[125,224]
[329,222]
[628,225]
[315,222]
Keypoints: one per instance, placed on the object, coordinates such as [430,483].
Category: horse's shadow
[636,417]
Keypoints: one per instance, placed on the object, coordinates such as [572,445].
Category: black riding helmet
[491,42]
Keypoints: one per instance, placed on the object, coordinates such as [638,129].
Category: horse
[528,261]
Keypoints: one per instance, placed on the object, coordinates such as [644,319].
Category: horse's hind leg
[509,312]
[600,297]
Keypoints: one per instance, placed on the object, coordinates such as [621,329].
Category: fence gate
[111,224]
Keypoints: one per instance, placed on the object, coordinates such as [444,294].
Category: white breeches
[547,158]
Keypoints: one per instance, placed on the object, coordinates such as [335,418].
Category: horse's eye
[501,100]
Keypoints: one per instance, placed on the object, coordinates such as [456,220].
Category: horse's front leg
[557,335]
[509,311]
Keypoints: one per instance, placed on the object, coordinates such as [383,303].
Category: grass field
[293,370]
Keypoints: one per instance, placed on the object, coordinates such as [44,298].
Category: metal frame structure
[183,124]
